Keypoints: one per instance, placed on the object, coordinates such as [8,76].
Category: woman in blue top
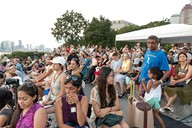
[86,63]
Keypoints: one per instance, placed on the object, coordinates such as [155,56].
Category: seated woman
[71,110]
[97,69]
[6,105]
[180,84]
[57,84]
[134,74]
[104,100]
[73,69]
[101,62]
[121,76]
[28,113]
[35,70]
[85,64]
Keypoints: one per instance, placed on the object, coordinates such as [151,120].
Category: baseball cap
[58,60]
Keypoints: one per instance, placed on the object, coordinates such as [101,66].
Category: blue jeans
[75,125]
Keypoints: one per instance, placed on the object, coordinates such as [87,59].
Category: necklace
[183,67]
[55,78]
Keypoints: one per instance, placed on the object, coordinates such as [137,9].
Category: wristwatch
[161,81]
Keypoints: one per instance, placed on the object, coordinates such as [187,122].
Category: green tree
[99,32]
[69,27]
[155,24]
[131,28]
[128,29]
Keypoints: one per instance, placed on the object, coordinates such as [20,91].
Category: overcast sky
[31,20]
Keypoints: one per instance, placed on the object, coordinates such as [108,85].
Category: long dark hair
[157,72]
[6,97]
[102,82]
[30,89]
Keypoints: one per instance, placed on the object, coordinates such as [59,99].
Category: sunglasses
[73,78]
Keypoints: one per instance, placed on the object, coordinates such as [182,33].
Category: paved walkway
[123,105]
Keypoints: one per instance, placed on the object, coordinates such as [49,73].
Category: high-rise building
[7,45]
[27,46]
[186,14]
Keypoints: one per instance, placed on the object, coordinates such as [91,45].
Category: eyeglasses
[73,78]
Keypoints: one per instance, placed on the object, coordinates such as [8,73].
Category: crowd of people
[56,83]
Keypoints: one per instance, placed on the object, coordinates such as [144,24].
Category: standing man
[35,54]
[154,57]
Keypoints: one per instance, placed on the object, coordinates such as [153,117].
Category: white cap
[59,60]
[7,60]
[136,61]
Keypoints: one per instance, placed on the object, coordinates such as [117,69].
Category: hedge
[20,54]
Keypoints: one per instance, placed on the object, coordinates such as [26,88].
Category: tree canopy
[99,32]
[131,28]
[136,27]
[69,27]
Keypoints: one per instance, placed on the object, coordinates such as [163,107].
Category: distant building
[118,24]
[48,50]
[7,45]
[175,19]
[20,46]
[40,48]
[28,47]
[186,14]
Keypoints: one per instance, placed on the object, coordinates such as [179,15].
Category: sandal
[127,91]
[121,95]
[162,110]
[169,109]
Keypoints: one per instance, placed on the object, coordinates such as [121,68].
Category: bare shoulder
[40,112]
[58,101]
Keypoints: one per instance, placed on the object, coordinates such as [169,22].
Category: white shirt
[153,93]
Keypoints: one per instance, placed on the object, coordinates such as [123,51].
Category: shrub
[20,54]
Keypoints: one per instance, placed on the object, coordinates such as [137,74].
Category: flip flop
[127,91]
[162,110]
[169,109]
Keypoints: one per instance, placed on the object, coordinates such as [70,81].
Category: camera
[11,83]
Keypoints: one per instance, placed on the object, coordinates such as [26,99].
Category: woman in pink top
[28,113]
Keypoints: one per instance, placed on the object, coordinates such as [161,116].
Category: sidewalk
[123,105]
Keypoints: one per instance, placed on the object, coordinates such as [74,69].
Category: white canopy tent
[171,33]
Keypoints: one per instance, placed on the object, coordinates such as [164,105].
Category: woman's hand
[173,82]
[44,103]
[72,98]
[104,112]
